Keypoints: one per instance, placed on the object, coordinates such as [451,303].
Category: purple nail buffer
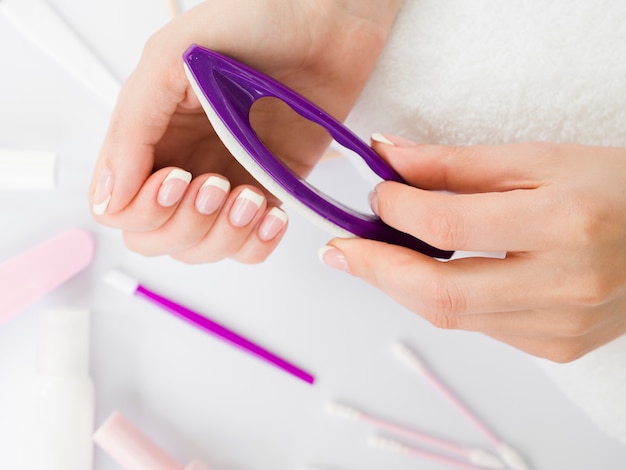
[227,90]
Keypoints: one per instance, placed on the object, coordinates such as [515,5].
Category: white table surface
[200,398]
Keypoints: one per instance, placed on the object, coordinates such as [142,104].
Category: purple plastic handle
[231,88]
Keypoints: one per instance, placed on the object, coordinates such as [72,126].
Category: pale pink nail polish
[173,187]
[211,195]
[373,200]
[103,191]
[245,207]
[272,224]
[331,256]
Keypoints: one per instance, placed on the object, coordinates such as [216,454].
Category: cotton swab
[473,455]
[394,445]
[509,455]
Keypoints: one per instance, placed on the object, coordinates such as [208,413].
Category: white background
[200,398]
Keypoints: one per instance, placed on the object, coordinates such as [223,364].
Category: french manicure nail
[211,195]
[272,224]
[173,187]
[333,257]
[245,207]
[381,139]
[103,191]
[393,140]
[373,201]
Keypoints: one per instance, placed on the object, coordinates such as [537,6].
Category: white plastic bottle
[61,400]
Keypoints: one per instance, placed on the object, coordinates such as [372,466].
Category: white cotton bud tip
[121,281]
[387,444]
[408,356]
[511,457]
[345,411]
[485,459]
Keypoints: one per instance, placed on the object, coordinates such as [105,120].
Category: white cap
[20,169]
[64,343]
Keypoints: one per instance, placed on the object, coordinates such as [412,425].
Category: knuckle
[596,287]
[577,325]
[444,322]
[446,228]
[444,303]
[588,221]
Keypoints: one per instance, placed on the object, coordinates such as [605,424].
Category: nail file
[32,274]
[227,90]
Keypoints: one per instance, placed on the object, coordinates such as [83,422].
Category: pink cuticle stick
[130,286]
[473,455]
[509,455]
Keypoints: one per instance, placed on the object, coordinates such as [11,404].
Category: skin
[323,49]
[559,211]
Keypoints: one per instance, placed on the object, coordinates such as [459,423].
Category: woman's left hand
[559,211]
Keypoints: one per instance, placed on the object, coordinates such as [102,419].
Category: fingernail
[211,195]
[381,139]
[392,140]
[272,224]
[245,207]
[373,201]
[331,256]
[104,189]
[173,187]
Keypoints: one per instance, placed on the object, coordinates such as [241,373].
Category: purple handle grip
[231,88]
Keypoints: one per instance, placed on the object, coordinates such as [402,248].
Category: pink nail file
[30,275]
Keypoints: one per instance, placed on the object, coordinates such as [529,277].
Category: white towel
[490,72]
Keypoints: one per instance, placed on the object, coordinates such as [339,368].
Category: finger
[146,103]
[194,217]
[155,202]
[237,219]
[441,291]
[498,221]
[466,169]
[262,241]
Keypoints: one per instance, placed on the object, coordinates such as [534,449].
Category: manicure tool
[509,455]
[472,455]
[30,275]
[227,90]
[130,286]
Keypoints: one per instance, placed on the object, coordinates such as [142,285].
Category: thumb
[375,262]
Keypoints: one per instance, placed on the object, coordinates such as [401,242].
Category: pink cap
[30,275]
[129,447]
